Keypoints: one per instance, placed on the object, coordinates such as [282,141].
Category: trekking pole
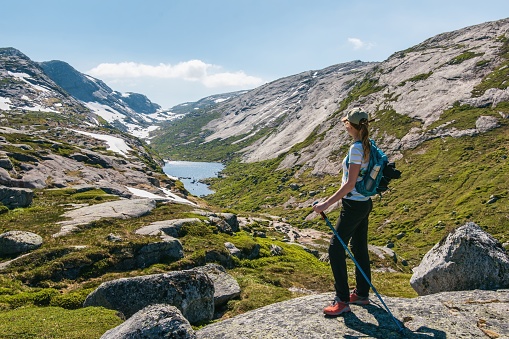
[360,269]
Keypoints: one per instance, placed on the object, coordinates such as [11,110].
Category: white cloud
[358,43]
[193,70]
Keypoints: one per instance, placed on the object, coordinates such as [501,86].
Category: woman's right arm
[353,174]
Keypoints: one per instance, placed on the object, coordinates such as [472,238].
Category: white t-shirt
[356,155]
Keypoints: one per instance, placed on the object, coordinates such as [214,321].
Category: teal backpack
[379,172]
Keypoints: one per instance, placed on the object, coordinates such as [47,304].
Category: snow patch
[168,195]
[116,144]
[23,76]
[5,103]
[104,111]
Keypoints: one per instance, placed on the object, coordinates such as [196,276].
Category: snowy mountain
[50,139]
[130,112]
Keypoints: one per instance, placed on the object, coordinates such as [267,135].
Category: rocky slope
[412,95]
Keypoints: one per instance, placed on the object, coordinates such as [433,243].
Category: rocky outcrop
[15,197]
[467,258]
[16,242]
[191,292]
[168,249]
[467,314]
[166,227]
[122,209]
[154,321]
[231,220]
[225,286]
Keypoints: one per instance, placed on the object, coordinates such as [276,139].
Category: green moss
[394,123]
[56,322]
[71,300]
[36,297]
[463,57]
[96,194]
[416,78]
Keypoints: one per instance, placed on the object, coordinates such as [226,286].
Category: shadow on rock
[386,328]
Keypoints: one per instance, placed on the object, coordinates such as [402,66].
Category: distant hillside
[130,112]
[421,93]
[205,103]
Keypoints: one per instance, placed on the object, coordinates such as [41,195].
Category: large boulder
[168,249]
[190,291]
[231,219]
[225,286]
[468,258]
[459,314]
[154,321]
[168,227]
[16,242]
[15,197]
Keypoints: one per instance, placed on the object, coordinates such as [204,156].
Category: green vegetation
[56,322]
[361,89]
[463,57]
[54,280]
[184,139]
[390,120]
[416,78]
[456,178]
[465,116]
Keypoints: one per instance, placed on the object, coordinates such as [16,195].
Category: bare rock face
[465,314]
[190,291]
[416,86]
[225,286]
[16,242]
[15,197]
[154,321]
[468,258]
[120,209]
[166,227]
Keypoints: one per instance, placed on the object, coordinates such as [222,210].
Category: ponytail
[362,127]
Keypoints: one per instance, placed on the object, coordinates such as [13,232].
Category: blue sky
[176,51]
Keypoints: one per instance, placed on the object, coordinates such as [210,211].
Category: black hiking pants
[352,226]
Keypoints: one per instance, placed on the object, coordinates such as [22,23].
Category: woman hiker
[352,224]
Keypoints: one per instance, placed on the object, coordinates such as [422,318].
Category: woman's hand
[320,207]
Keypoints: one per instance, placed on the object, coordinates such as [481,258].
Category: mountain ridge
[408,92]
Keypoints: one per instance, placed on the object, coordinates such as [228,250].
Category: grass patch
[398,124]
[463,57]
[465,116]
[416,78]
[56,322]
[361,89]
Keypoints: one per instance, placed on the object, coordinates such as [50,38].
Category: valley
[440,111]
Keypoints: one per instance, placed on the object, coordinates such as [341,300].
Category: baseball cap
[356,115]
